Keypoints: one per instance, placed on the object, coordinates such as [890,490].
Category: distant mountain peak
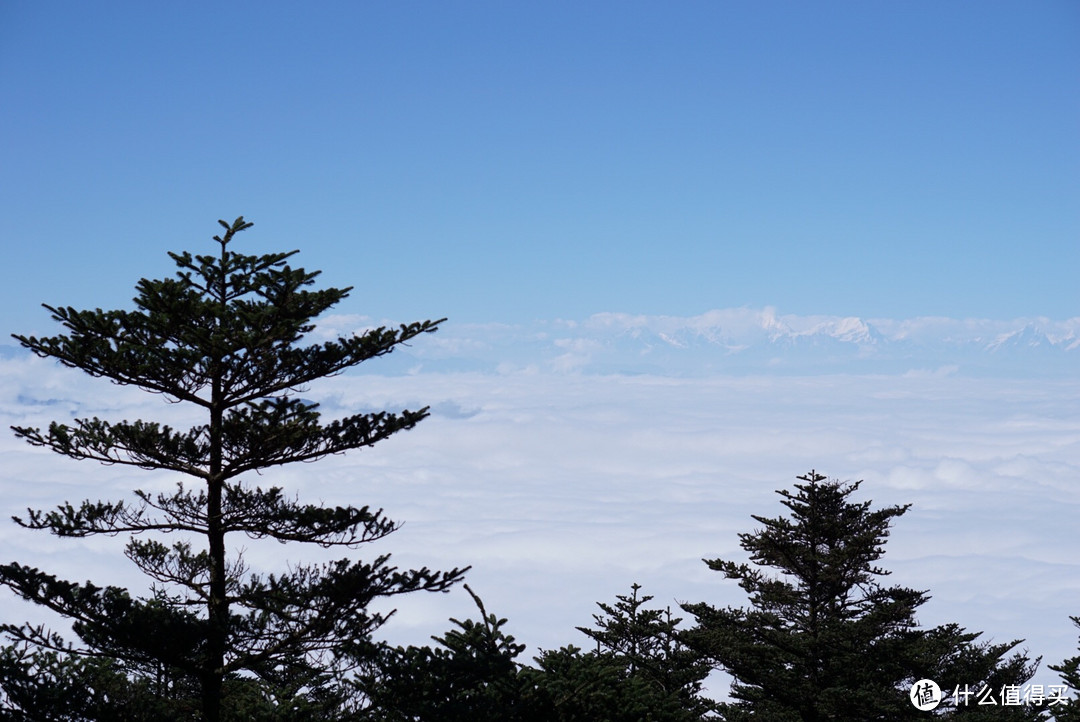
[758,341]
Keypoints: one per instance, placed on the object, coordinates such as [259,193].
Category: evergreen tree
[640,671]
[826,640]
[575,686]
[646,646]
[1070,675]
[976,677]
[471,676]
[224,336]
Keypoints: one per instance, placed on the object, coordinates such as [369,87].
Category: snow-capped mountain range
[737,341]
[746,340]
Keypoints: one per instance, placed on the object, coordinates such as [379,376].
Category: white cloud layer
[562,488]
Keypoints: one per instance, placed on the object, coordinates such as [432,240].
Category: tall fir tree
[825,640]
[225,336]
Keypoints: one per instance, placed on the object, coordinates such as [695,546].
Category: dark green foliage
[961,664]
[577,686]
[652,666]
[42,685]
[639,672]
[224,336]
[826,640]
[1070,677]
[472,676]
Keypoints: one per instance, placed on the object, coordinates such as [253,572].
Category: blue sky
[511,162]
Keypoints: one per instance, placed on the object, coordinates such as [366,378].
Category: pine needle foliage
[226,337]
[825,639]
[1069,670]
[471,675]
[651,673]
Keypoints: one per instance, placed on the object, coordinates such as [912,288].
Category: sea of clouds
[565,461]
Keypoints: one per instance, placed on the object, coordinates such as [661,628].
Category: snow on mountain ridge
[1032,335]
[742,340]
[739,326]
[734,327]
